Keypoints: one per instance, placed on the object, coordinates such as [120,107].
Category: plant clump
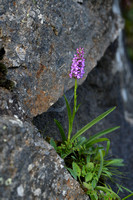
[88,160]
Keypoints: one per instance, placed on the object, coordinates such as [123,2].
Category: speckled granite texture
[30,168]
[40,38]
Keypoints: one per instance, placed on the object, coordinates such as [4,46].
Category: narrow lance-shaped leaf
[78,107]
[115,162]
[127,196]
[100,134]
[89,125]
[97,141]
[127,189]
[61,130]
[101,163]
[105,189]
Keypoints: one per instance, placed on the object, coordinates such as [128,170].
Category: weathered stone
[30,168]
[37,43]
[39,39]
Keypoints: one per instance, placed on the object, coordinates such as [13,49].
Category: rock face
[39,40]
[30,168]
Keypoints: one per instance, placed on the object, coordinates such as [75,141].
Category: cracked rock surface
[40,38]
[30,168]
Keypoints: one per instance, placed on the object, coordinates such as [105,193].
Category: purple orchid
[78,64]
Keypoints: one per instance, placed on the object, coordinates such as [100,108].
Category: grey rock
[40,39]
[30,168]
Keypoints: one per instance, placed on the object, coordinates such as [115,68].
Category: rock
[30,167]
[39,40]
[37,43]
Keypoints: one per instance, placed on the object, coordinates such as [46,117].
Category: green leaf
[107,148]
[66,154]
[83,171]
[106,172]
[89,125]
[101,164]
[72,173]
[93,195]
[100,134]
[53,144]
[76,169]
[96,141]
[81,141]
[88,186]
[127,196]
[90,166]
[61,130]
[78,107]
[114,162]
[126,189]
[88,159]
[94,183]
[88,177]
[105,189]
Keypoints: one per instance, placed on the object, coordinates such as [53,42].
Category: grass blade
[61,130]
[101,164]
[89,125]
[127,196]
[115,162]
[78,107]
[100,134]
[97,141]
[127,189]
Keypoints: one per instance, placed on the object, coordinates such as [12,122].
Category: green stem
[75,100]
[80,181]
[74,111]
